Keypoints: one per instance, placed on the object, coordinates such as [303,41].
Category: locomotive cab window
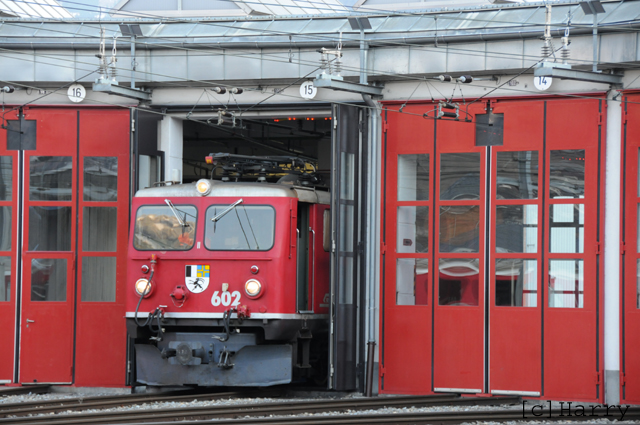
[242,228]
[164,227]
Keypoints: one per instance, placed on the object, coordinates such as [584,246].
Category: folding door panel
[630,293]
[48,249]
[573,264]
[9,195]
[459,257]
[515,306]
[407,253]
[102,229]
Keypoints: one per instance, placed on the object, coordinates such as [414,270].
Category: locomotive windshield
[158,227]
[244,228]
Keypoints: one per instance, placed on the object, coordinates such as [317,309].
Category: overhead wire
[300,62]
[263,31]
[190,80]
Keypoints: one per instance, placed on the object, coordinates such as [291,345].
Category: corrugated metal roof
[46,9]
[421,5]
[490,22]
[295,7]
[194,8]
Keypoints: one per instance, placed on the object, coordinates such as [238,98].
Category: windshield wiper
[223,213]
[175,212]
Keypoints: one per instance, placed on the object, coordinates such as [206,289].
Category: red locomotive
[229,280]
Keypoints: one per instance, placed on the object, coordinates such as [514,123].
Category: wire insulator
[447,114]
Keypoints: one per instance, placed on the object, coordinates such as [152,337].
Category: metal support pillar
[612,249]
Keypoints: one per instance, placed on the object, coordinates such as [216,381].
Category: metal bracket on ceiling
[107,86]
[564,72]
[326,81]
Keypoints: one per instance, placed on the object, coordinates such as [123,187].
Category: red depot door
[103,216]
[408,257]
[630,308]
[515,256]
[8,258]
[492,230]
[50,208]
[573,266]
[459,257]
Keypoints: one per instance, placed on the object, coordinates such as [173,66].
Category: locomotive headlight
[203,187]
[143,287]
[253,288]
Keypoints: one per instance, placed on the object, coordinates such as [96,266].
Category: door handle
[31,321]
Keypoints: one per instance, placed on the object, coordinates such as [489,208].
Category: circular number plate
[308,90]
[76,93]
[542,83]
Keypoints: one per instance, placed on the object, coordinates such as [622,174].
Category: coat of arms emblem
[196,277]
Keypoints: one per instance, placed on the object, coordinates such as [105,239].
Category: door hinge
[623,247]
[382,370]
[74,265]
[598,248]
[624,116]
[383,248]
[385,126]
[133,126]
[600,118]
[597,378]
[622,380]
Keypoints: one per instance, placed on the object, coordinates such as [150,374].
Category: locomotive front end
[217,297]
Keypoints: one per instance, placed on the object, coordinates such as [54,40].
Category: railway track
[251,413]
[106,402]
[456,417]
[26,389]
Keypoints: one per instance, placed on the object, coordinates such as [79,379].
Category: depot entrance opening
[305,137]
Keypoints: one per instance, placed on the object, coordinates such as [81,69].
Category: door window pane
[100,178]
[5,229]
[50,178]
[412,281]
[48,279]
[413,177]
[99,228]
[345,279]
[6,178]
[517,175]
[566,178]
[516,282]
[49,228]
[5,278]
[458,282]
[346,227]
[566,225]
[516,228]
[459,228]
[99,279]
[459,176]
[413,230]
[638,227]
[347,175]
[566,283]
[637,283]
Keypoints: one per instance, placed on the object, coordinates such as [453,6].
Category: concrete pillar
[612,250]
[170,142]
